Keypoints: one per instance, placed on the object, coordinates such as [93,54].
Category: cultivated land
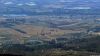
[49,35]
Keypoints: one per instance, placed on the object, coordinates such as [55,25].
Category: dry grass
[39,30]
[31,30]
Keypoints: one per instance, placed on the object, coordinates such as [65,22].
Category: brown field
[39,30]
[31,30]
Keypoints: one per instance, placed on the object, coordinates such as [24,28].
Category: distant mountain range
[38,6]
